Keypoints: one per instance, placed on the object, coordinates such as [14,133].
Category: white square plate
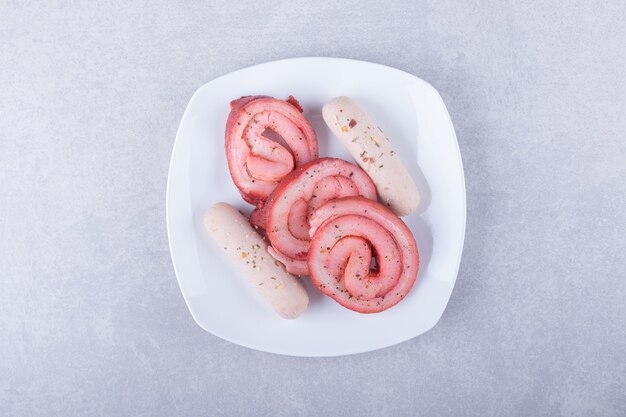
[413,116]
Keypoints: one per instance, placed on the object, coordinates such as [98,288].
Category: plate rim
[176,149]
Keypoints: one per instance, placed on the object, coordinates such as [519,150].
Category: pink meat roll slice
[289,208]
[256,162]
[345,235]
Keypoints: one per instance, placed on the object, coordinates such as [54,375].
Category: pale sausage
[247,249]
[374,153]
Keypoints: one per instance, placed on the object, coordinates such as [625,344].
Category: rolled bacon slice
[255,161]
[289,208]
[346,234]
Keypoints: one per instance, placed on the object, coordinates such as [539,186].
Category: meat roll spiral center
[291,205]
[346,234]
[256,162]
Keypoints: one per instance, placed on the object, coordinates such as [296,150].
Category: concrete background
[92,322]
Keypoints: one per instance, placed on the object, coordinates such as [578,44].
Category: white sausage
[373,152]
[247,249]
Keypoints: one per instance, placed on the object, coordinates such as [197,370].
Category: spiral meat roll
[287,212]
[346,235]
[256,161]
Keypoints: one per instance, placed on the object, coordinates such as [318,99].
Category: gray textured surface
[92,321]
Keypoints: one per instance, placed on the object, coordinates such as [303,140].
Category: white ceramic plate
[413,116]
